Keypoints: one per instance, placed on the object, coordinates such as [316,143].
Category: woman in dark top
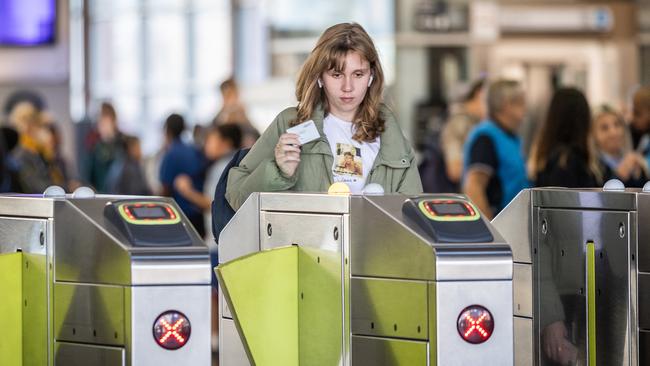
[563,154]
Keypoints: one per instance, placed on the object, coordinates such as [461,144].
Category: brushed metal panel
[644,301]
[374,351]
[305,202]
[89,314]
[584,199]
[562,300]
[451,299]
[241,235]
[514,224]
[74,354]
[231,348]
[389,308]
[147,303]
[25,206]
[523,334]
[26,235]
[522,286]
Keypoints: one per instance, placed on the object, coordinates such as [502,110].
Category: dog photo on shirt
[348,160]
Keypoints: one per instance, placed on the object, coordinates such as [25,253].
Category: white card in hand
[306,132]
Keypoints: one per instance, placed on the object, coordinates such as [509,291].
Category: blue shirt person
[494,166]
[181,158]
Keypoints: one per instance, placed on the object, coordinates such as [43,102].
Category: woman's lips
[346,99]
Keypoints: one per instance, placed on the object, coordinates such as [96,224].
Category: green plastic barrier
[261,291]
[24,308]
[286,303]
[11,288]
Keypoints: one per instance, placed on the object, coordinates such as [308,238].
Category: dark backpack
[222,212]
[433,172]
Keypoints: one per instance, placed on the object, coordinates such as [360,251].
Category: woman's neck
[343,116]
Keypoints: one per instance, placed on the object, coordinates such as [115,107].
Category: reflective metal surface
[305,202]
[643,257]
[454,296]
[106,260]
[374,351]
[524,353]
[78,277]
[389,308]
[26,206]
[377,244]
[381,275]
[563,222]
[147,303]
[584,199]
[562,256]
[380,234]
[89,314]
[515,226]
[242,234]
[522,286]
[231,349]
[73,354]
[171,270]
[644,348]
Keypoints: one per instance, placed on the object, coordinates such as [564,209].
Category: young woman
[614,146]
[340,89]
[563,154]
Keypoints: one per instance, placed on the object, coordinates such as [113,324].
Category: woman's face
[609,133]
[346,89]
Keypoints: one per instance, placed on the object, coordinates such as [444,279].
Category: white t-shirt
[353,160]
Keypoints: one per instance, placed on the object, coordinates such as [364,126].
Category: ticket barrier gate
[581,276]
[314,279]
[101,281]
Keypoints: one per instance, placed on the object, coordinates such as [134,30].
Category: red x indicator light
[475,324]
[172,330]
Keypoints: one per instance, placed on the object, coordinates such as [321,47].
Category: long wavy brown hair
[329,54]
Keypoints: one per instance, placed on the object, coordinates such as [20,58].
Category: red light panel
[172,330]
[475,324]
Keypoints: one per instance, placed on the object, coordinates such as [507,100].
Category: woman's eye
[358,75]
[336,75]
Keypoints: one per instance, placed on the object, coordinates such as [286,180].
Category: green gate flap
[261,291]
[11,288]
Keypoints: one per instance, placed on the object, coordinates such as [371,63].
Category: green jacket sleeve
[258,171]
[411,182]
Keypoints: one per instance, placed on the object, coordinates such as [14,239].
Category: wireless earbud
[370,80]
[320,83]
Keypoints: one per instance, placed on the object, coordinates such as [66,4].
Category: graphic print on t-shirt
[348,160]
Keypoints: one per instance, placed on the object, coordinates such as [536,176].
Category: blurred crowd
[186,167]
[479,150]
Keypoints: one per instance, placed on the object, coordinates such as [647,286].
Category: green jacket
[394,167]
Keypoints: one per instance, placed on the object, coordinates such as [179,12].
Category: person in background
[107,146]
[464,117]
[615,148]
[640,123]
[494,167]
[8,166]
[126,175]
[57,163]
[339,89]
[221,143]
[181,158]
[34,174]
[233,111]
[563,154]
